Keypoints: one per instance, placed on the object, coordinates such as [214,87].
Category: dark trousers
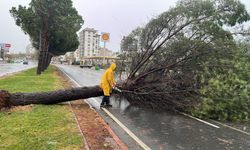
[105,100]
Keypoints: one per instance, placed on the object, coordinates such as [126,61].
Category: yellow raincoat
[108,80]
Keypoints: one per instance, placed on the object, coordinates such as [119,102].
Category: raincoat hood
[112,66]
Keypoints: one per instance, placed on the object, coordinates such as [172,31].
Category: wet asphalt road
[162,130]
[6,68]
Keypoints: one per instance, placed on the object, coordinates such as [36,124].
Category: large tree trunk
[44,39]
[53,97]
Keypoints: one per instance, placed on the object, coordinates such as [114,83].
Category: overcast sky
[118,17]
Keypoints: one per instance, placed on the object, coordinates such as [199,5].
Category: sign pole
[105,38]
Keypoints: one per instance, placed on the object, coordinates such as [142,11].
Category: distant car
[86,66]
[25,62]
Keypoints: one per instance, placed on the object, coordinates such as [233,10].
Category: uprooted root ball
[4,99]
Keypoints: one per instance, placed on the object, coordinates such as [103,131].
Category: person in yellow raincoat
[107,83]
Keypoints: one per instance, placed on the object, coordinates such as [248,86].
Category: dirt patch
[97,133]
[97,136]
[21,108]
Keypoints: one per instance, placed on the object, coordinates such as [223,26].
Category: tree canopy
[63,23]
[174,50]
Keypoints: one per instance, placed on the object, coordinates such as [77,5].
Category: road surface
[7,68]
[161,130]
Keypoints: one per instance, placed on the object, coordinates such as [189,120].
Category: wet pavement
[162,130]
[7,68]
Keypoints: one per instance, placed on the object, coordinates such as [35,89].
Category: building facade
[105,52]
[89,42]
[77,55]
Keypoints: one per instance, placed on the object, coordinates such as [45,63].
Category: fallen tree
[53,97]
[166,58]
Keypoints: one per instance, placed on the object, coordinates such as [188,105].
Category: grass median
[37,126]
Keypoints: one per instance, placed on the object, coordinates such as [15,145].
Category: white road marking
[200,120]
[130,133]
[232,128]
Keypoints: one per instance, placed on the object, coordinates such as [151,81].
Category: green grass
[42,127]
[28,81]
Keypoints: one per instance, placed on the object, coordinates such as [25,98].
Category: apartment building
[89,43]
[105,52]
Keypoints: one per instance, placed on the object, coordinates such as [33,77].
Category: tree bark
[47,60]
[39,66]
[52,97]
[44,60]
[44,35]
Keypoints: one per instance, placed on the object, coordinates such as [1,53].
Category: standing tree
[52,27]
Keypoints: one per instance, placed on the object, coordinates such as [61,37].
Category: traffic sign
[7,45]
[105,37]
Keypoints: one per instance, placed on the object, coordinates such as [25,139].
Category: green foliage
[189,55]
[28,21]
[38,127]
[226,90]
[63,23]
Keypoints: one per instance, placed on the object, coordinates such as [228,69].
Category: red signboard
[7,45]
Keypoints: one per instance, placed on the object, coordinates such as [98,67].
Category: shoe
[102,105]
[108,105]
